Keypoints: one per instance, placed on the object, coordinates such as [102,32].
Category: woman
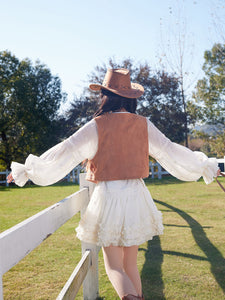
[117,143]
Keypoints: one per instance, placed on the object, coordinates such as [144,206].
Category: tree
[80,112]
[30,97]
[210,91]
[177,56]
[217,144]
[212,144]
[161,102]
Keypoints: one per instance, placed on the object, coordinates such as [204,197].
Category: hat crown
[118,82]
[117,79]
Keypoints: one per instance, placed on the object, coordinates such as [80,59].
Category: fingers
[10,178]
[218,172]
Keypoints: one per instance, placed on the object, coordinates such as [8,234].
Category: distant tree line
[30,98]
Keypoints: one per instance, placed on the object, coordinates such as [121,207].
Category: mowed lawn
[187,262]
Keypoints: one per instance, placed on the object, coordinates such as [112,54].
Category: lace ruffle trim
[117,235]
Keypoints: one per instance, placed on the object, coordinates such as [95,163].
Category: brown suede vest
[122,148]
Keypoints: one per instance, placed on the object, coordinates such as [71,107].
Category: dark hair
[111,102]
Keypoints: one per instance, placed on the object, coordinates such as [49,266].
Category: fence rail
[21,239]
[76,279]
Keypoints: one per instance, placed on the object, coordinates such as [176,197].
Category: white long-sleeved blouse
[58,161]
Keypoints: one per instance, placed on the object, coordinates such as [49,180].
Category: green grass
[186,262]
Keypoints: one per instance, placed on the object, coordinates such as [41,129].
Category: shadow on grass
[184,226]
[151,274]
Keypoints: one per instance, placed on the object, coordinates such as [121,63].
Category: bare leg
[130,267]
[113,258]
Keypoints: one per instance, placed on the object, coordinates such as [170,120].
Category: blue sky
[72,37]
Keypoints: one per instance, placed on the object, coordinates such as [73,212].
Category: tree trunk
[185,114]
[6,157]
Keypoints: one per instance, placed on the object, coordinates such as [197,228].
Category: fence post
[73,175]
[159,171]
[90,284]
[78,174]
[152,168]
[68,177]
[6,175]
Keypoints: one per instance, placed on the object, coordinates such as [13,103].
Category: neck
[122,109]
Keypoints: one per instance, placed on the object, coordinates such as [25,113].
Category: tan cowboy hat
[118,82]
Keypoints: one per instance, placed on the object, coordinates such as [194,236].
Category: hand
[10,178]
[218,172]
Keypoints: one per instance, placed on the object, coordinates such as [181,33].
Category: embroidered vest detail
[122,148]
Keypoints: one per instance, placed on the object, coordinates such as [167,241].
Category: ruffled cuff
[210,167]
[19,173]
[210,170]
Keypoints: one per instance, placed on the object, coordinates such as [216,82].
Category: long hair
[111,102]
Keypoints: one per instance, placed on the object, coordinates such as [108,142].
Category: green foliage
[161,101]
[210,92]
[81,111]
[29,101]
[213,145]
[217,144]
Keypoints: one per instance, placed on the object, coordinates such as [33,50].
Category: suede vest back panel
[122,148]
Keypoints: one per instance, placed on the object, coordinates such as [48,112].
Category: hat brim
[135,91]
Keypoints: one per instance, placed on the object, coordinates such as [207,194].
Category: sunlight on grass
[187,261]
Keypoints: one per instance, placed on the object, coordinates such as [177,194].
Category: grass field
[187,262]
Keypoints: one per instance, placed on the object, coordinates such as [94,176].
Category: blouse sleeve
[178,160]
[58,161]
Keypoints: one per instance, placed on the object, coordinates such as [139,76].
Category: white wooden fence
[5,173]
[221,161]
[155,169]
[18,241]
[74,175]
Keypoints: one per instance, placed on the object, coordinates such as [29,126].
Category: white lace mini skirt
[120,213]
